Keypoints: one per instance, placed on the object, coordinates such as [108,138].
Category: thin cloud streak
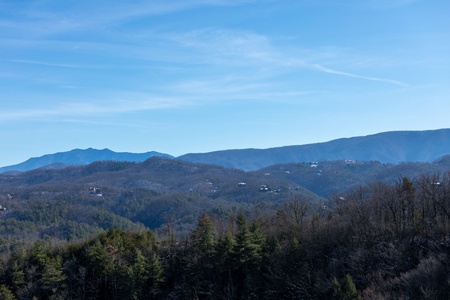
[250,48]
[87,109]
[32,62]
[37,22]
[253,55]
[219,45]
[331,71]
[216,46]
[189,93]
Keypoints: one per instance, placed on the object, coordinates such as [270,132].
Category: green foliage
[52,276]
[378,241]
[348,289]
[224,250]
[155,275]
[17,275]
[5,293]
[157,194]
[203,237]
[253,262]
[249,241]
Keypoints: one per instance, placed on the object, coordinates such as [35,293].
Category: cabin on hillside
[95,191]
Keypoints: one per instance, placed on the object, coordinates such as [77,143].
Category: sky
[184,76]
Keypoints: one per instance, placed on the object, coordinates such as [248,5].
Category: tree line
[382,241]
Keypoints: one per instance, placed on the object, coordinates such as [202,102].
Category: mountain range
[72,201]
[75,201]
[79,157]
[333,206]
[387,147]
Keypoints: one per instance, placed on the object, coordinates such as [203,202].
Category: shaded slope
[388,147]
[338,177]
[158,193]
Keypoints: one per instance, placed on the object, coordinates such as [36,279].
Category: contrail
[331,71]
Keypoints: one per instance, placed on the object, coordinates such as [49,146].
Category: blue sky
[182,76]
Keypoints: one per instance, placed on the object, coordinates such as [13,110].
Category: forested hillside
[386,147]
[327,178]
[384,241]
[165,194]
[167,229]
[159,194]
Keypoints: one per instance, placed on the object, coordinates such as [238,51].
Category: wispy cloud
[89,109]
[218,64]
[45,18]
[259,51]
[212,46]
[33,62]
[221,43]
[346,74]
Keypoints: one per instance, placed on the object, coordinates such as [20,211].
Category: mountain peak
[80,157]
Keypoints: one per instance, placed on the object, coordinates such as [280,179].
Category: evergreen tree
[224,251]
[335,292]
[200,261]
[52,276]
[247,252]
[100,269]
[203,237]
[17,275]
[348,289]
[140,271]
[155,275]
[6,294]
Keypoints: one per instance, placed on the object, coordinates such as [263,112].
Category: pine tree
[335,292]
[6,294]
[139,267]
[17,275]
[52,277]
[203,237]
[155,274]
[224,251]
[348,289]
[248,254]
[249,245]
[244,249]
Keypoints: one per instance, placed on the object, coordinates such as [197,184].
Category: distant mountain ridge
[79,157]
[387,147]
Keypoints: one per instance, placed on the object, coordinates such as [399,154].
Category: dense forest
[379,241]
[81,201]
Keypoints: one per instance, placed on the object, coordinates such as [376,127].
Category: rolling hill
[75,201]
[78,200]
[339,177]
